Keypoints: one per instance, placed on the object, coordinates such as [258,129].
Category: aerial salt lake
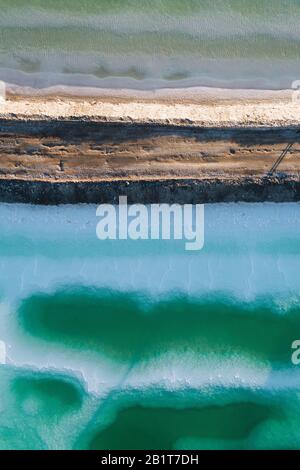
[144,343]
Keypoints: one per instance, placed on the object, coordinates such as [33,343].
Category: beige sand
[276,109]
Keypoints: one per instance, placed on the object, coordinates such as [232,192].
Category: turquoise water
[141,344]
[143,44]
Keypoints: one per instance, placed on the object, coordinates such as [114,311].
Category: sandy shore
[201,109]
[60,149]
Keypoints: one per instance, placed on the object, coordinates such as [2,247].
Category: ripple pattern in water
[144,44]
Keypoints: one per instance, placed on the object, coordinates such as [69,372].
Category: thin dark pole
[279,160]
[283,154]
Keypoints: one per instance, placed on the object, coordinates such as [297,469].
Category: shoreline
[178,92]
[72,150]
[200,107]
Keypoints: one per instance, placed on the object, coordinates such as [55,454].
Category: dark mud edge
[279,189]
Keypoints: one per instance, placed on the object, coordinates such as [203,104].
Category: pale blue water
[140,344]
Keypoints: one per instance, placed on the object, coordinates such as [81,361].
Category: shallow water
[143,44]
[140,344]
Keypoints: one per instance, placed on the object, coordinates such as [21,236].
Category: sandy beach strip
[200,107]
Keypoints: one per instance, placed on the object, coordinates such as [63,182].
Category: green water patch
[51,410]
[52,396]
[162,428]
[193,418]
[41,409]
[128,327]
